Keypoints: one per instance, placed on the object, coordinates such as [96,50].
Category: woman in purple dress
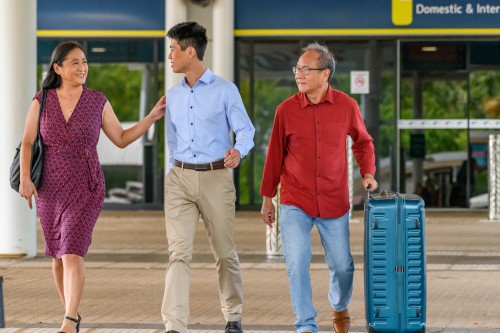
[71,193]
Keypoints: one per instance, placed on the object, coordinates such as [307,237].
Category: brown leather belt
[200,167]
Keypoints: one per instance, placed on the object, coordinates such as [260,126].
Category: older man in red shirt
[307,156]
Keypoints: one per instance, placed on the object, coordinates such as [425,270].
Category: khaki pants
[190,193]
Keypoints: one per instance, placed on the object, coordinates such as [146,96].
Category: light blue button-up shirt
[199,120]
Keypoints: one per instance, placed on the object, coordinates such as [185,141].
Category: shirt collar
[205,78]
[327,98]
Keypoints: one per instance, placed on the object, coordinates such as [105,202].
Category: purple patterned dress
[71,191]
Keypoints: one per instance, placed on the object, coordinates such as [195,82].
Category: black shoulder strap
[42,104]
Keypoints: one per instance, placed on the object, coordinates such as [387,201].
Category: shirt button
[190,107]
[191,123]
[194,155]
[317,123]
[192,140]
[318,193]
[192,91]
[319,157]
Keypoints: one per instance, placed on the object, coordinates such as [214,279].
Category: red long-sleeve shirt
[307,153]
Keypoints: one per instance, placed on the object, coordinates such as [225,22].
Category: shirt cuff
[242,150]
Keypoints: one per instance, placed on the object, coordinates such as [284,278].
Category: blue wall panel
[317,14]
[363,14]
[101,15]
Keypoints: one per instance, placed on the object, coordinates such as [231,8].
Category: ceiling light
[429,48]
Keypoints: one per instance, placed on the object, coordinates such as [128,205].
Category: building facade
[429,72]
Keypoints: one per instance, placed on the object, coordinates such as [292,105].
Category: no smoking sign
[360,82]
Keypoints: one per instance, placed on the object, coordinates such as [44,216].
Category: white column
[17,88]
[494,177]
[223,39]
[175,12]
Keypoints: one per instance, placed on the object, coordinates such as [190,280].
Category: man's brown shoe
[341,321]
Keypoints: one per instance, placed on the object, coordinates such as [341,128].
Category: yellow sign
[402,12]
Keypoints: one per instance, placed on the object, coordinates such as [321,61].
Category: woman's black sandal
[77,321]
[78,325]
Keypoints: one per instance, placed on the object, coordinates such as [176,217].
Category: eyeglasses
[305,70]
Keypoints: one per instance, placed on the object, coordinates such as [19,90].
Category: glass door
[447,103]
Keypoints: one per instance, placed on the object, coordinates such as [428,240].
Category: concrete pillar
[223,39]
[175,12]
[201,11]
[494,177]
[17,88]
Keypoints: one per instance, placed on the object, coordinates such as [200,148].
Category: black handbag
[36,157]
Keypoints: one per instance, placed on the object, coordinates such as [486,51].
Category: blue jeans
[296,229]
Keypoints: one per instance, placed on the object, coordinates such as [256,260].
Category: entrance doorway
[448,102]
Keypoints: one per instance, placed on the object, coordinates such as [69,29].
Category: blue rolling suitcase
[394,257]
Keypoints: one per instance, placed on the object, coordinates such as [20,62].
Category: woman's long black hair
[53,80]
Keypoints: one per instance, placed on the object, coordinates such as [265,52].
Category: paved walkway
[127,260]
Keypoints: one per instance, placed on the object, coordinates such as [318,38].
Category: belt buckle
[201,167]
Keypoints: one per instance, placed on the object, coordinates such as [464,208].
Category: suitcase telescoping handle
[382,193]
[368,192]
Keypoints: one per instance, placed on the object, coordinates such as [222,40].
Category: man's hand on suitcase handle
[369,183]
[268,211]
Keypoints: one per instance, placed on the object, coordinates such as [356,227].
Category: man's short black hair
[190,34]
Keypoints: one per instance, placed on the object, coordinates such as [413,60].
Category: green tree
[121,85]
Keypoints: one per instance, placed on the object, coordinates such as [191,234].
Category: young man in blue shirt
[202,111]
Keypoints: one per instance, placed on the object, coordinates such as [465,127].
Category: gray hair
[326,58]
